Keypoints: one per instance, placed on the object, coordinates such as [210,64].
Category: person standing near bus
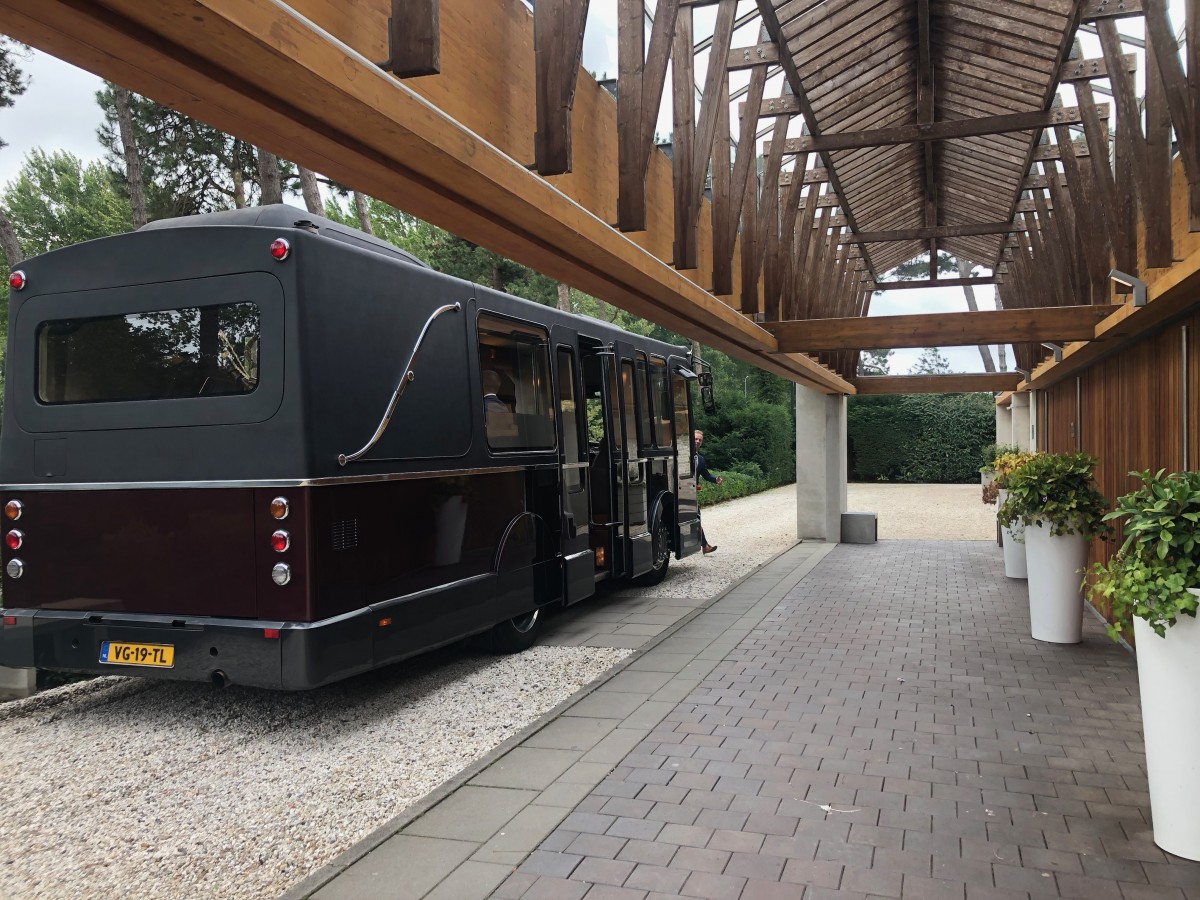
[702,472]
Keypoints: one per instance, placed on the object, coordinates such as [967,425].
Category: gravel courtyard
[151,789]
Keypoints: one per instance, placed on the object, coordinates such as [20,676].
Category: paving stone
[471,813]
[402,867]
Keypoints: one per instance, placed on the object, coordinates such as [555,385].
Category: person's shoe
[710,548]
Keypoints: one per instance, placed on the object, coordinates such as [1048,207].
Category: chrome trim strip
[575,556]
[404,380]
[266,482]
[576,465]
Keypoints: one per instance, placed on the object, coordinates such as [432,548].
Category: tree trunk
[1002,353]
[601,309]
[9,242]
[133,160]
[312,193]
[497,282]
[269,182]
[564,297]
[235,171]
[985,351]
[364,217]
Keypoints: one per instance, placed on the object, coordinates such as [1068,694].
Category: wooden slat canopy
[814,146]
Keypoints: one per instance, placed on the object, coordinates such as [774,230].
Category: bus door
[687,502]
[578,559]
[634,542]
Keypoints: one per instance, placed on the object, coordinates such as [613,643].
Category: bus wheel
[662,557]
[518,633]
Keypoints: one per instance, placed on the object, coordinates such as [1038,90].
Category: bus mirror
[706,380]
[706,399]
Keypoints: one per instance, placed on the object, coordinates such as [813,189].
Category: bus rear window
[168,354]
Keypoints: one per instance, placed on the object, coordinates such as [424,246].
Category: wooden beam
[414,37]
[557,51]
[937,231]
[1091,69]
[1049,323]
[276,76]
[938,131]
[928,283]
[990,382]
[1110,9]
[749,57]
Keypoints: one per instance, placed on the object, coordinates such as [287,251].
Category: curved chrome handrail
[408,376]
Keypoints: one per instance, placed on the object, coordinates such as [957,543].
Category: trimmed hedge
[733,485]
[919,438]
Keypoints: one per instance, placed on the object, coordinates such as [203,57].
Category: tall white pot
[1014,548]
[1055,584]
[1168,671]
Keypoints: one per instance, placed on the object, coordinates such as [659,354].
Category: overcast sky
[59,111]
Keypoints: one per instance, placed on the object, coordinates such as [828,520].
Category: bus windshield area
[164,354]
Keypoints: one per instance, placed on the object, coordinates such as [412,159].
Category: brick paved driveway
[889,730]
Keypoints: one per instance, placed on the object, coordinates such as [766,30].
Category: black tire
[518,633]
[662,558]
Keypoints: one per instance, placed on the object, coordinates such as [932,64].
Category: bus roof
[281,215]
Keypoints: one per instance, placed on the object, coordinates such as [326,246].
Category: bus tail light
[14,539]
[13,510]
[600,557]
[280,541]
[281,573]
[10,620]
[15,568]
[280,249]
[17,280]
[280,508]
[272,633]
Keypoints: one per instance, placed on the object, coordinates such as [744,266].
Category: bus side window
[514,364]
[683,427]
[643,392]
[660,396]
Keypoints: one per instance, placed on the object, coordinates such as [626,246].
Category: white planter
[1055,584]
[1014,548]
[1168,671]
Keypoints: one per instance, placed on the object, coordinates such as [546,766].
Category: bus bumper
[277,655]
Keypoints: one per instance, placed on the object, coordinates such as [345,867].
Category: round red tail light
[14,539]
[280,541]
[16,280]
[280,248]
[13,509]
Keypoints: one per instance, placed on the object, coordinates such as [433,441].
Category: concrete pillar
[1003,425]
[1020,420]
[821,473]
[17,683]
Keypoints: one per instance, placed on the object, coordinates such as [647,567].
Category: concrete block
[859,528]
[17,683]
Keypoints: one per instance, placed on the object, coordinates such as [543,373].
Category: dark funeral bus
[258,447]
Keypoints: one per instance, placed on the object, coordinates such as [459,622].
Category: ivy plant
[1150,575]
[1055,489]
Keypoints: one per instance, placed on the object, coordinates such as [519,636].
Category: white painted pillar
[1003,425]
[821,473]
[1020,420]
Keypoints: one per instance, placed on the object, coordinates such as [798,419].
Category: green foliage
[732,486]
[920,438]
[56,201]
[1056,489]
[931,362]
[875,362]
[1149,576]
[187,167]
[989,454]
[12,80]
[748,431]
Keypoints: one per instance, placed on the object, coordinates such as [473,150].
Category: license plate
[160,656]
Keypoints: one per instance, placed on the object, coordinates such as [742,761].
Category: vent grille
[345,534]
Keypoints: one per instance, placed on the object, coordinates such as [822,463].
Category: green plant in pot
[1054,498]
[1006,462]
[1154,578]
[1150,575]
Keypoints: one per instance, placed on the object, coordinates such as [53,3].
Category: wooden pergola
[814,147]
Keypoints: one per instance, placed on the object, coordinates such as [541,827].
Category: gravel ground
[119,786]
[125,787]
[929,512]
